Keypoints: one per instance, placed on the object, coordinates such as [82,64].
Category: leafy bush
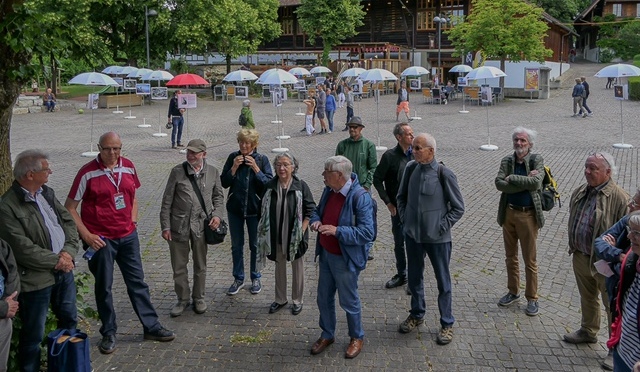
[606,55]
[84,287]
[634,88]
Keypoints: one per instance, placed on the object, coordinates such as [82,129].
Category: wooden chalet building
[394,28]
[588,29]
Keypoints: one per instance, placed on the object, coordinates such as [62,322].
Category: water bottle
[88,254]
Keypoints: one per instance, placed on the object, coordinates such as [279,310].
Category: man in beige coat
[182,223]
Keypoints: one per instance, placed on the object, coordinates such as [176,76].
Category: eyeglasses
[109,149]
[599,155]
[418,148]
[282,165]
[632,232]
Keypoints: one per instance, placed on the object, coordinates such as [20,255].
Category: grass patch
[73,91]
[262,337]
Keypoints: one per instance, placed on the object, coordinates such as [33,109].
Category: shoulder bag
[210,236]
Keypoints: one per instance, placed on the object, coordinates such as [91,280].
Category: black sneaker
[108,344]
[162,334]
[396,281]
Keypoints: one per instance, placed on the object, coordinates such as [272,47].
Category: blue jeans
[398,245]
[618,364]
[330,118]
[33,313]
[126,252]
[176,131]
[439,255]
[236,230]
[335,275]
[50,105]
[349,113]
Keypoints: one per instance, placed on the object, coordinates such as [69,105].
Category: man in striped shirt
[594,207]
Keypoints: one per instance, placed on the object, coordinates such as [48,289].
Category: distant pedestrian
[176,119]
[49,100]
[578,95]
[349,101]
[403,101]
[585,96]
[321,102]
[341,95]
[330,108]
[610,83]
[247,114]
[308,116]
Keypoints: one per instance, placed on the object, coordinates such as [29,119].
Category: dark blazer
[9,270]
[246,187]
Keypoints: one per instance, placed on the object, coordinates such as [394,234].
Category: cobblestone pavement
[238,333]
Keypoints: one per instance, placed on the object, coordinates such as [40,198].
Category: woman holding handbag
[283,233]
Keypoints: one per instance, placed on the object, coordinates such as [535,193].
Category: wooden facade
[401,22]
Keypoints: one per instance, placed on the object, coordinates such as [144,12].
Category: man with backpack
[520,215]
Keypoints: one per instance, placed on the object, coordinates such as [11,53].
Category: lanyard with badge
[118,197]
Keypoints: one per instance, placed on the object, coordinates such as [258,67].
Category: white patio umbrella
[157,75]
[111,70]
[461,69]
[240,75]
[415,71]
[278,77]
[619,71]
[265,74]
[486,72]
[139,73]
[300,71]
[92,79]
[126,70]
[352,72]
[320,70]
[378,74]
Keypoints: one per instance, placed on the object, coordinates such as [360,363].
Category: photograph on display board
[485,94]
[531,79]
[618,91]
[462,81]
[277,97]
[355,88]
[414,84]
[320,80]
[242,92]
[187,101]
[159,93]
[92,101]
[143,89]
[300,84]
[130,84]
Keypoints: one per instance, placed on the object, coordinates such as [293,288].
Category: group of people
[323,103]
[580,94]
[603,231]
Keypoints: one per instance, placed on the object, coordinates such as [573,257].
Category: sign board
[187,101]
[531,79]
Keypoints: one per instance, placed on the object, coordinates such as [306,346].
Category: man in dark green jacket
[44,241]
[360,151]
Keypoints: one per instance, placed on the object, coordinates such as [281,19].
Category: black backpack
[242,120]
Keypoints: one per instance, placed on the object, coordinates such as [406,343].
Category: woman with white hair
[247,114]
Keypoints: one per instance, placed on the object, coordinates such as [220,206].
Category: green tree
[28,29]
[503,30]
[230,27]
[619,39]
[330,20]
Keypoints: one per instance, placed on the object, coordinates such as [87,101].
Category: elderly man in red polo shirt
[106,186]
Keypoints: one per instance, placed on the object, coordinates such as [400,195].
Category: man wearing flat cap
[182,222]
[360,151]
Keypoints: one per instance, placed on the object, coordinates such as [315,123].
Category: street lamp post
[148,13]
[439,20]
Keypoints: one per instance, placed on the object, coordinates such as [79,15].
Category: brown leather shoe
[354,348]
[320,345]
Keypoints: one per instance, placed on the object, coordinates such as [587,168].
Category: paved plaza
[238,333]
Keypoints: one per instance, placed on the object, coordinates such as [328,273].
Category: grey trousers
[6,327]
[180,259]
[297,278]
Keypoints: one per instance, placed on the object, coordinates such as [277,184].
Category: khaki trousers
[297,278]
[180,259]
[589,286]
[521,226]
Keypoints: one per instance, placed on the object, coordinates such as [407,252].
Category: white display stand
[144,124]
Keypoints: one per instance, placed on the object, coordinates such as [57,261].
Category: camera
[244,159]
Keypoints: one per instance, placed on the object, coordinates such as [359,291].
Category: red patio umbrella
[186,80]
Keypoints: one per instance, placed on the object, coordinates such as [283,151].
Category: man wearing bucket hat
[182,223]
